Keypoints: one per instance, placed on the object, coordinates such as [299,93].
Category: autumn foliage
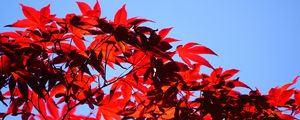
[120,69]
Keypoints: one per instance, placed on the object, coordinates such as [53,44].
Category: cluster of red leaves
[52,67]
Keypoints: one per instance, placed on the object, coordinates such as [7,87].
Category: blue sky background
[260,38]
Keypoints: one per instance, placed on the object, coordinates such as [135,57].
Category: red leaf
[52,108]
[79,43]
[192,74]
[297,112]
[285,116]
[285,87]
[199,60]
[38,103]
[164,32]
[23,88]
[170,40]
[27,108]
[65,109]
[278,96]
[45,11]
[238,83]
[285,95]
[297,96]
[10,34]
[201,50]
[84,8]
[4,64]
[108,113]
[67,48]
[2,115]
[229,73]
[22,24]
[126,91]
[31,13]
[121,16]
[191,51]
[60,88]
[42,106]
[135,21]
[97,9]
[10,108]
[14,106]
[207,117]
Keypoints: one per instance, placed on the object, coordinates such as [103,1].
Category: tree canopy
[54,65]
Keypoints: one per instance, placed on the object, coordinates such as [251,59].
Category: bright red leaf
[31,14]
[121,16]
[84,8]
[190,52]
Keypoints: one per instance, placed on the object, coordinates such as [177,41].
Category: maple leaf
[136,21]
[127,85]
[229,73]
[236,83]
[86,10]
[191,51]
[108,112]
[39,103]
[164,32]
[52,107]
[22,23]
[31,14]
[65,110]
[79,43]
[192,74]
[278,96]
[121,16]
[34,17]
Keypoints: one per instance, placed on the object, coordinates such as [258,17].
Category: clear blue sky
[261,38]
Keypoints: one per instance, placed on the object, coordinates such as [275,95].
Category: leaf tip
[8,26]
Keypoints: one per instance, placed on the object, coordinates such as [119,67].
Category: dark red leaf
[2,115]
[12,85]
[176,67]
[23,88]
[27,107]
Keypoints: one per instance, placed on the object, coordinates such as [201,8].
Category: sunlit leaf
[190,52]
[121,16]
